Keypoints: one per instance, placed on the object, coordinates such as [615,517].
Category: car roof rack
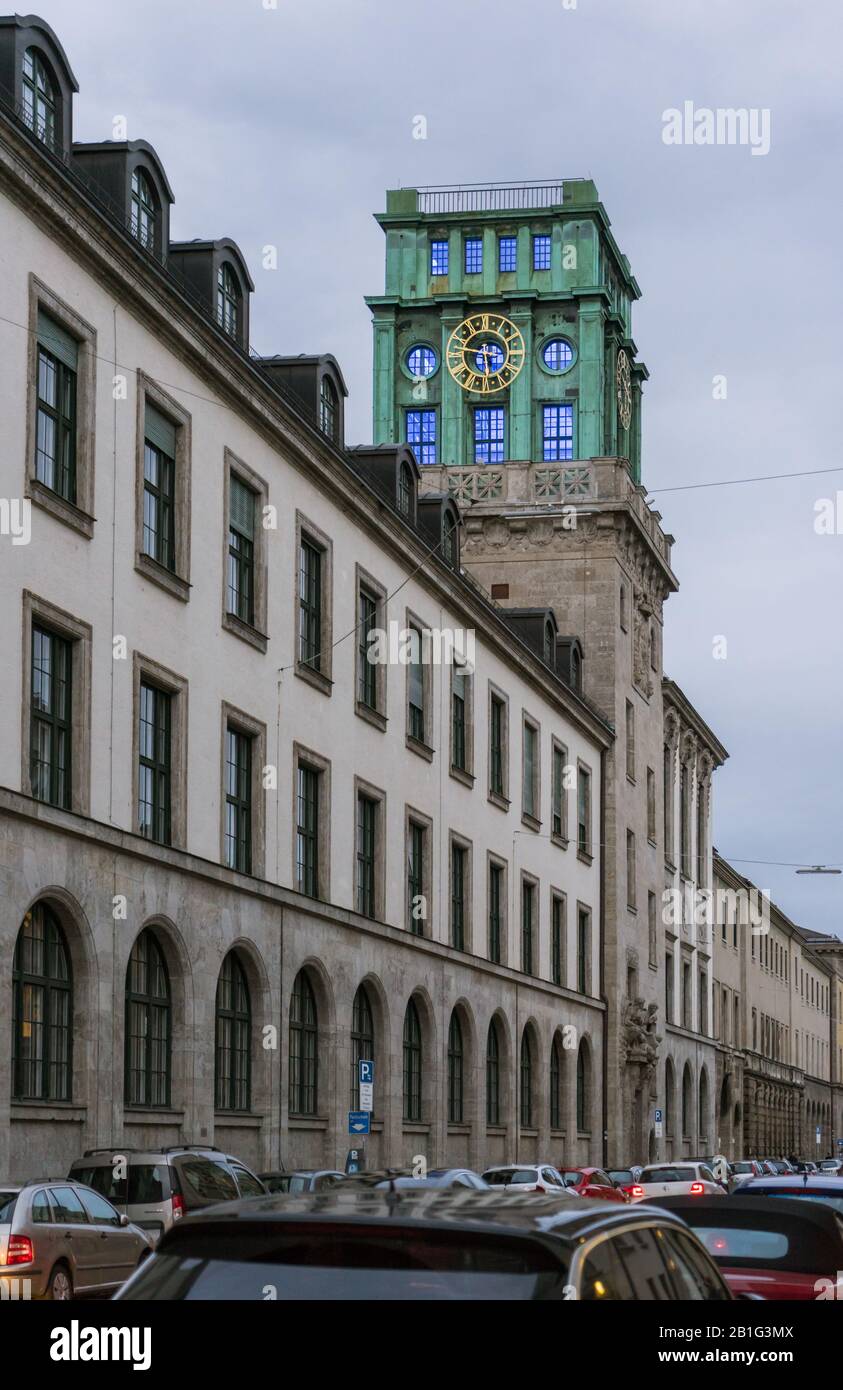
[190,1148]
[112,1149]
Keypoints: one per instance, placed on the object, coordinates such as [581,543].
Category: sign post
[366,1079]
[659,1124]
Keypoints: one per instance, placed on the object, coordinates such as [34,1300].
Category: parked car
[436,1177]
[831,1165]
[623,1177]
[821,1188]
[804,1166]
[778,1249]
[527,1177]
[742,1169]
[361,1244]
[302,1180]
[593,1182]
[778,1167]
[155,1187]
[61,1240]
[676,1179]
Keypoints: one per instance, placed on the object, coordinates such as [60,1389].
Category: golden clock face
[623,377]
[485,353]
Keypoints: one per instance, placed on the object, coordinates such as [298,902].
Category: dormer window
[40,104]
[549,643]
[143,210]
[576,671]
[449,533]
[328,408]
[228,302]
[405,490]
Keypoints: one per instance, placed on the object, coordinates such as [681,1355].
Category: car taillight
[697,1189]
[636,1191]
[20,1251]
[178,1206]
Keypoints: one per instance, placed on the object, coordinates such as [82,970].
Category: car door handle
[68,1235]
[103,1235]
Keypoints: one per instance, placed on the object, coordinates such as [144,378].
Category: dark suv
[155,1187]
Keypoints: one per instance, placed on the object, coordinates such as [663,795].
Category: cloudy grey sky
[286,125]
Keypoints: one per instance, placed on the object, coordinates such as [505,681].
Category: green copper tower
[539,259]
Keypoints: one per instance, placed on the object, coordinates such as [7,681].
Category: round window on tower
[558,355]
[422,361]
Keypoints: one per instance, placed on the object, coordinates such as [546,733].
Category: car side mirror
[124,1220]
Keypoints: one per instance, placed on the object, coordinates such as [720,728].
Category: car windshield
[726,1244]
[742,1168]
[668,1175]
[621,1175]
[502,1176]
[279,1183]
[400,1263]
[7,1205]
[298,1182]
[572,1177]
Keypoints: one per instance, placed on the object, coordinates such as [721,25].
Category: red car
[778,1247]
[593,1182]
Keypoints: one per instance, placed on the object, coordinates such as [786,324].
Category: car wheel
[61,1285]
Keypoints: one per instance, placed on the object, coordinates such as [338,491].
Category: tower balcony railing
[491,197]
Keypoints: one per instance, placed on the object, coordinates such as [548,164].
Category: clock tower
[504,334]
[503,354]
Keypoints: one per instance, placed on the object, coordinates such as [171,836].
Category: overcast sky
[286,125]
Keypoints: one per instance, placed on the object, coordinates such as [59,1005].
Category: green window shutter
[242,509]
[57,340]
[160,431]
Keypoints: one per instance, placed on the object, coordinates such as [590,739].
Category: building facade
[238,854]
[775,992]
[503,353]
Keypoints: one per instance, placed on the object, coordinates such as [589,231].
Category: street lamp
[819,869]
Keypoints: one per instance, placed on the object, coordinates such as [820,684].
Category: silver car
[60,1240]
[155,1187]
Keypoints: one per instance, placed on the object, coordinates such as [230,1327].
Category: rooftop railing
[491,197]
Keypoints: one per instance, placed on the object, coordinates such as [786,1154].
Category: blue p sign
[367,1073]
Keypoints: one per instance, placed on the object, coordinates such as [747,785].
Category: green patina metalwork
[585,297]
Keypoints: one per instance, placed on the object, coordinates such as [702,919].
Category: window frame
[163,1004]
[246,726]
[412,1064]
[495,863]
[255,631]
[426,447]
[462,772]
[321,766]
[52,987]
[365,583]
[148,672]
[531,814]
[460,927]
[495,444]
[79,513]
[378,797]
[415,820]
[308,534]
[496,696]
[558,794]
[585,846]
[175,581]
[529,936]
[558,937]
[557,445]
[420,737]
[237,1018]
[584,948]
[38,612]
[303,1079]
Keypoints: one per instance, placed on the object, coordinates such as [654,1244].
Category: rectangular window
[307,830]
[668,804]
[473,255]
[241,551]
[652,929]
[416,898]
[686,994]
[496,900]
[583,810]
[421,434]
[651,805]
[367,671]
[557,432]
[668,987]
[541,252]
[416,719]
[489,434]
[459,858]
[310,605]
[497,744]
[439,258]
[528,900]
[685,820]
[701,874]
[50,718]
[557,941]
[154,764]
[367,811]
[459,692]
[583,950]
[159,488]
[507,254]
[630,869]
[530,773]
[630,741]
[55,433]
[238,801]
[559,808]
